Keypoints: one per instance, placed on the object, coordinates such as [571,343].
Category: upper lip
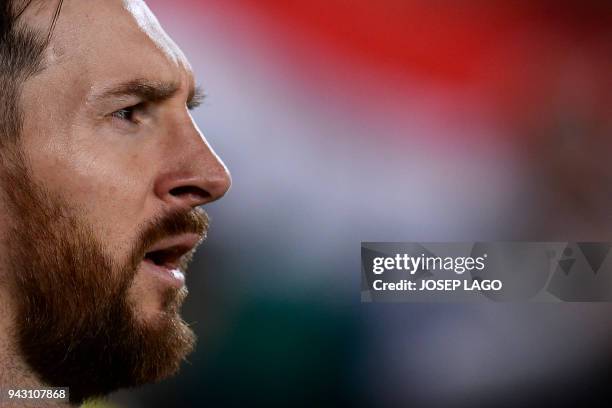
[168,251]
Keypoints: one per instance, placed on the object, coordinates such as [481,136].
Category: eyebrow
[152,91]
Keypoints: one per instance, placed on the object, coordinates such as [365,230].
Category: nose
[201,179]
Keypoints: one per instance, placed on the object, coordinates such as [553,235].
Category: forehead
[111,40]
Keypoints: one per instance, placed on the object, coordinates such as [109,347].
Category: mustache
[177,222]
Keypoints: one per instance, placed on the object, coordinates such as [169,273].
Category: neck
[14,372]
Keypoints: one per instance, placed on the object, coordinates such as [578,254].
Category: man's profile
[102,172]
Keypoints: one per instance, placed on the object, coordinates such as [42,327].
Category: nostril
[190,191]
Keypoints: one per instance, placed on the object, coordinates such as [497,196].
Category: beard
[75,324]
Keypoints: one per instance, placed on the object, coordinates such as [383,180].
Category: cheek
[109,190]
[113,203]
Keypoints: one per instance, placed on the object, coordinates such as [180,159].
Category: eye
[127,114]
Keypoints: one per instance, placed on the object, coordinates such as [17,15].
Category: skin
[121,169]
[121,173]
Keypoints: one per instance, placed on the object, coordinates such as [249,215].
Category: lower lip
[171,276]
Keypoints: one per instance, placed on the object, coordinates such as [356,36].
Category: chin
[154,307]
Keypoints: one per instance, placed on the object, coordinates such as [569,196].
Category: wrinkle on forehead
[148,23]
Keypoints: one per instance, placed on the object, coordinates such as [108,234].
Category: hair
[21,55]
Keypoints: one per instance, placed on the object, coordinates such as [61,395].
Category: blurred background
[392,120]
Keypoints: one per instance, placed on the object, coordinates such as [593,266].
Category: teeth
[177,274]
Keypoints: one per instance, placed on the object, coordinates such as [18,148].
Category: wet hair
[21,55]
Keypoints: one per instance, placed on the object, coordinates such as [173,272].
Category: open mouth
[168,257]
[164,258]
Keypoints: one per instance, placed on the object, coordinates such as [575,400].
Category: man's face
[100,200]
